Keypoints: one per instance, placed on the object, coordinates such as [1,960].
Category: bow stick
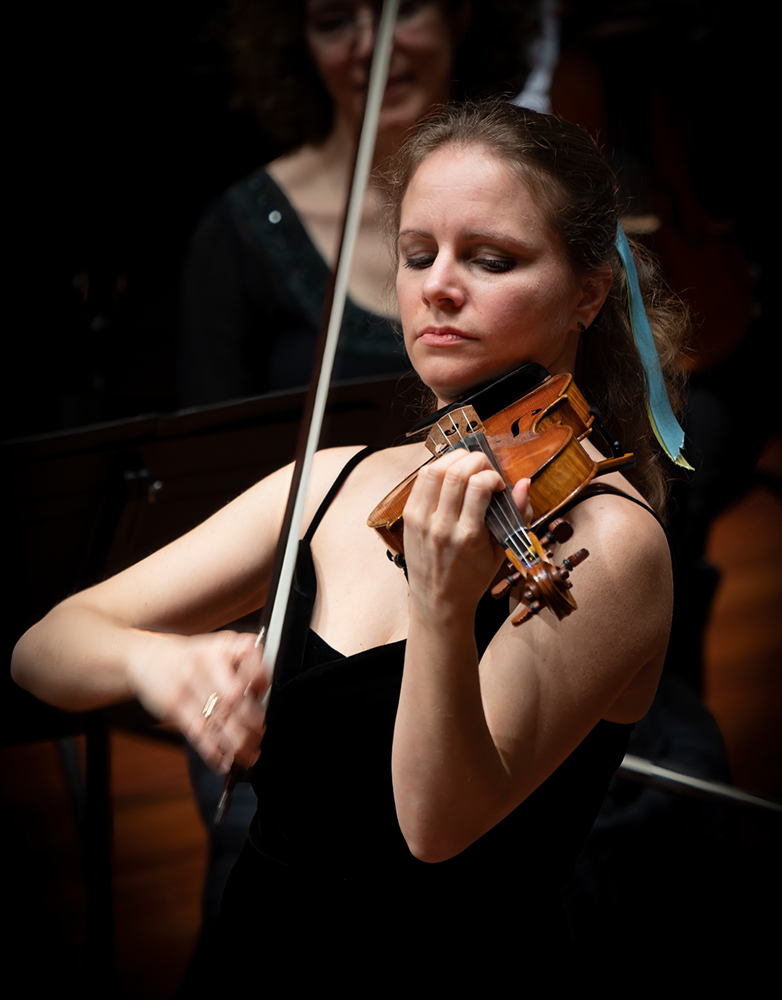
[274,612]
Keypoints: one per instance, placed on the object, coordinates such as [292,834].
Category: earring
[581,326]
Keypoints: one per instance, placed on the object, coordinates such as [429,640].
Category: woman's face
[341,38]
[483,281]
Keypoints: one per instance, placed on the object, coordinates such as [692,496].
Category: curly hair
[567,172]
[277,78]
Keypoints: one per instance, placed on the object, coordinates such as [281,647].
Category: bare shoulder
[603,660]
[327,466]
[628,576]
[329,462]
[621,527]
[262,506]
[377,473]
[379,466]
[625,593]
[274,489]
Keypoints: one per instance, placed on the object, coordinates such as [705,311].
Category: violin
[537,437]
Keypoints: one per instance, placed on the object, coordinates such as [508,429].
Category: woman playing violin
[429,771]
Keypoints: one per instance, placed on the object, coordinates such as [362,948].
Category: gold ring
[209,705]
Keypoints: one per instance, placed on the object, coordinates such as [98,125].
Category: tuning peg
[572,561]
[558,530]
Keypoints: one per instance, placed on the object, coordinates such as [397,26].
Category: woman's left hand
[450,553]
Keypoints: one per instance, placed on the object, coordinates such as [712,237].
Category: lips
[443,336]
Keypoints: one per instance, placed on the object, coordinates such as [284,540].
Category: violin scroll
[545,585]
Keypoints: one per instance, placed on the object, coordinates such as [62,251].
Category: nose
[442,286]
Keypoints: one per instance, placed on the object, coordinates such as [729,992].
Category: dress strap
[602,489]
[335,488]
[305,588]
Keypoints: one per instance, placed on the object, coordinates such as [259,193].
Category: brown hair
[567,171]
[278,80]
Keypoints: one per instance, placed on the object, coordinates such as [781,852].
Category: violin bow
[275,610]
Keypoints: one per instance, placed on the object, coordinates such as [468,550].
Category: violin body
[538,437]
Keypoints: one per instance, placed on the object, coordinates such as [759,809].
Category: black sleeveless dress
[326,884]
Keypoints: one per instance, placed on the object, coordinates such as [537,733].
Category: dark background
[122,132]
[125,135]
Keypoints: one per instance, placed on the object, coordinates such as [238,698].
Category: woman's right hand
[210,687]
[149,632]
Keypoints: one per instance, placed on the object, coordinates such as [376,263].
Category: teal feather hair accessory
[664,424]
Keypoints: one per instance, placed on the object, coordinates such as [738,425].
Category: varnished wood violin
[535,437]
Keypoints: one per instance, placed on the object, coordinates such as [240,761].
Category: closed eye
[418,263]
[497,265]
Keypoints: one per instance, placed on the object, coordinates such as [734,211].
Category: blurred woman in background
[258,267]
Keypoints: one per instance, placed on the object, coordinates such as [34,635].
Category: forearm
[77,658]
[450,781]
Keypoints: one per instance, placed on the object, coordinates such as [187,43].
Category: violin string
[498,514]
[502,517]
[504,513]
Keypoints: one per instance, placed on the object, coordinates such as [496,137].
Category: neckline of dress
[348,656]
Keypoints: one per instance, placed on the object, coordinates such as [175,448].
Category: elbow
[438,828]
[443,831]
[434,844]
[28,670]
[430,854]
[21,672]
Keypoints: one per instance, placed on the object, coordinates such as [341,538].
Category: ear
[595,287]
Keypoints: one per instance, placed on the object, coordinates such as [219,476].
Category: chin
[401,111]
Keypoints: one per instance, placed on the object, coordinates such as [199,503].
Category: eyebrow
[475,237]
